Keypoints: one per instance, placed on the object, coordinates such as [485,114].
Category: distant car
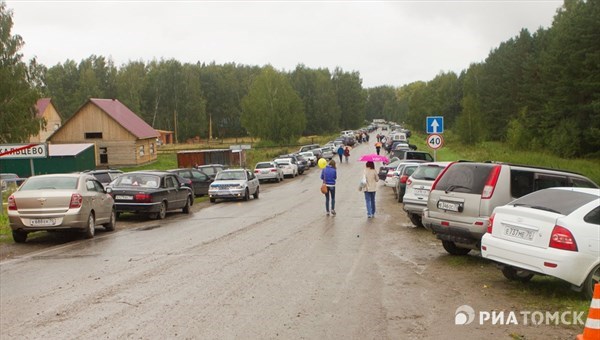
[300,163]
[552,232]
[60,202]
[8,179]
[417,190]
[151,192]
[308,147]
[234,184]
[327,152]
[268,171]
[199,180]
[286,165]
[404,171]
[211,169]
[310,157]
[105,176]
[412,155]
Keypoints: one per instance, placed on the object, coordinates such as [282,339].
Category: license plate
[123,197]
[518,233]
[452,206]
[264,172]
[43,222]
[421,192]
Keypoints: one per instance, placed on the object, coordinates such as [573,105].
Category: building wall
[53,122]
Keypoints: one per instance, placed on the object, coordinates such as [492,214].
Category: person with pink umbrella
[370,188]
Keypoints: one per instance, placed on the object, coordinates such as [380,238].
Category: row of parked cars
[528,220]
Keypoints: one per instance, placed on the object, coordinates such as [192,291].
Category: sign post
[435,141]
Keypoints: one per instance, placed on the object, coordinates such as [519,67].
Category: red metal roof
[124,116]
[41,106]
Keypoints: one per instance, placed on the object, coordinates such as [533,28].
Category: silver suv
[417,189]
[465,194]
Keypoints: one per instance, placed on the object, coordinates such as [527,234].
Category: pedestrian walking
[340,152]
[371,179]
[378,147]
[347,153]
[329,177]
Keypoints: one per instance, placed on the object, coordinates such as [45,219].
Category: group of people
[369,186]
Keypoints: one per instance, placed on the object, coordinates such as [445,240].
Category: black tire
[90,228]
[416,220]
[110,226]
[186,209]
[590,282]
[452,249]
[118,214]
[516,274]
[278,179]
[19,236]
[247,195]
[212,200]
[162,213]
[256,193]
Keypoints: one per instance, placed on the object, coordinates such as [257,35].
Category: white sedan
[552,232]
[289,168]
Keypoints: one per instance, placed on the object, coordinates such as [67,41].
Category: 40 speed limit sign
[435,141]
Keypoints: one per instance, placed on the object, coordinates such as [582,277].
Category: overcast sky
[387,42]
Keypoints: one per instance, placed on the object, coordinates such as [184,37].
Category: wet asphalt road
[273,267]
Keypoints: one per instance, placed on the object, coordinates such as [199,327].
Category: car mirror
[108,190]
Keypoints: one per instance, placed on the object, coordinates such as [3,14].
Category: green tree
[272,110]
[18,94]
[351,98]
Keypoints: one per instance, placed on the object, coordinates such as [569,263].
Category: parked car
[268,171]
[199,180]
[8,179]
[308,147]
[552,232]
[383,169]
[465,194]
[412,155]
[328,152]
[300,163]
[234,184]
[348,140]
[211,169]
[287,166]
[60,202]
[105,176]
[404,171]
[418,186]
[310,157]
[150,192]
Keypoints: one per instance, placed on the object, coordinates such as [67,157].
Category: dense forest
[535,90]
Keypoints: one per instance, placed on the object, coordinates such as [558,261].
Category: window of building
[93,135]
[141,150]
[152,148]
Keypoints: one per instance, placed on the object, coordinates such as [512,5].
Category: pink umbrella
[373,157]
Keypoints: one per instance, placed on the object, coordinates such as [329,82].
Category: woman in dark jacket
[329,176]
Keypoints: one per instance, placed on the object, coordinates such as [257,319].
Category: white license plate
[42,222]
[421,192]
[518,233]
[123,197]
[264,172]
[452,206]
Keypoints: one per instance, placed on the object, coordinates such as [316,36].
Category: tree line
[539,90]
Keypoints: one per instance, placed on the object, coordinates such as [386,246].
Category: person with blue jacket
[329,176]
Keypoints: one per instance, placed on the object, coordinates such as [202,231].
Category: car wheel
[516,274]
[256,193]
[162,213]
[186,209]
[416,220]
[212,200]
[110,226]
[246,195]
[590,282]
[451,248]
[117,214]
[278,179]
[90,229]
[19,236]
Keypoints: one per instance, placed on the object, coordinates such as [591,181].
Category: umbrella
[373,158]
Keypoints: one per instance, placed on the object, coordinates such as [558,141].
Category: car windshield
[559,201]
[230,176]
[39,183]
[137,180]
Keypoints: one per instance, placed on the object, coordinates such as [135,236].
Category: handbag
[323,188]
[363,183]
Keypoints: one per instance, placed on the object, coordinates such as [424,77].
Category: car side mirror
[108,190]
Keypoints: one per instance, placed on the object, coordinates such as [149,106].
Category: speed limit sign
[435,141]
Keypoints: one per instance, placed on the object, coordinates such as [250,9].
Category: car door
[176,195]
[252,182]
[99,201]
[201,182]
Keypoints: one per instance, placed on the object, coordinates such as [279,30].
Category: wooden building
[121,137]
[46,110]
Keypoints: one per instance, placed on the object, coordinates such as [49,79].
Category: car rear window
[38,183]
[103,177]
[560,201]
[427,172]
[137,180]
[465,177]
[263,165]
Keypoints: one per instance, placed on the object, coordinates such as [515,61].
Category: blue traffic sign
[435,124]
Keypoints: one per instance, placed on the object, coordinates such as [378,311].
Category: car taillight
[76,200]
[441,174]
[12,204]
[490,184]
[144,198]
[491,223]
[403,179]
[256,171]
[273,170]
[561,238]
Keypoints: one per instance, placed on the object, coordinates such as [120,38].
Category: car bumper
[263,177]
[69,220]
[572,267]
[227,193]
[414,207]
[456,231]
[137,207]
